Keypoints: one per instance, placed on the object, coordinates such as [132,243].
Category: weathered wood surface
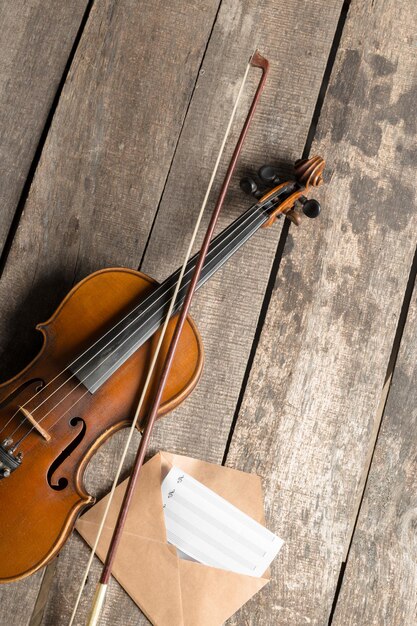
[101,174]
[278,132]
[106,158]
[35,41]
[192,429]
[118,156]
[307,423]
[379,587]
[73,144]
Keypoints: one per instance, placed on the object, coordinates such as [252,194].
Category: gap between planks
[379,419]
[187,108]
[48,577]
[38,152]
[285,230]
[252,418]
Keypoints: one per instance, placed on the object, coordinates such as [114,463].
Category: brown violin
[84,383]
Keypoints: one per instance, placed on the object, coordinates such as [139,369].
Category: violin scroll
[289,195]
[310,171]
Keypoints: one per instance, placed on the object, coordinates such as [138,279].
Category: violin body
[42,498]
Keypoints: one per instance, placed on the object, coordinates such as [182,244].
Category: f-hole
[40,384]
[62,482]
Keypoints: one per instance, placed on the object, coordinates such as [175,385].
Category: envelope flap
[148,571]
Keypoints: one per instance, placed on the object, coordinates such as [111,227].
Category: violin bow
[258,61]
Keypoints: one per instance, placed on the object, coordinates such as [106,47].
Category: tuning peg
[269,175]
[311,208]
[249,186]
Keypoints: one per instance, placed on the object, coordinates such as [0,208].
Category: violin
[85,382]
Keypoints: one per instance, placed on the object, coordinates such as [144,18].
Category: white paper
[210,530]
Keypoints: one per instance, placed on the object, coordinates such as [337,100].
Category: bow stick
[257,60]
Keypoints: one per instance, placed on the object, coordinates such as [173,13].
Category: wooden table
[111,116]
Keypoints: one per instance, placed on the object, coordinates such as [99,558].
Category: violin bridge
[35,424]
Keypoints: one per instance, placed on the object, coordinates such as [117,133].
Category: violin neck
[220,250]
[99,362]
[223,246]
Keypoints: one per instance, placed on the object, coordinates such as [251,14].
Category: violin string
[247,215]
[251,217]
[258,207]
[85,352]
[81,382]
[154,360]
[260,217]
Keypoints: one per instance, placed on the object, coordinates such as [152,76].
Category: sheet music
[210,530]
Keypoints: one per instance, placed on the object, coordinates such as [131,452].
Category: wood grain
[379,587]
[307,423]
[101,173]
[279,133]
[36,39]
[106,158]
[18,599]
[358,254]
[227,308]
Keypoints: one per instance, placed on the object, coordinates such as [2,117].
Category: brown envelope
[169,590]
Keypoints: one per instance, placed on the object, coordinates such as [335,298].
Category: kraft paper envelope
[172,591]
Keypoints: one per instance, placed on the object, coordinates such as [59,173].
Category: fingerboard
[107,354]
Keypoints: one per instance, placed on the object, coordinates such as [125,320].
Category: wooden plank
[279,132]
[307,421]
[18,599]
[102,170]
[383,556]
[228,307]
[36,39]
[42,597]
[105,162]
